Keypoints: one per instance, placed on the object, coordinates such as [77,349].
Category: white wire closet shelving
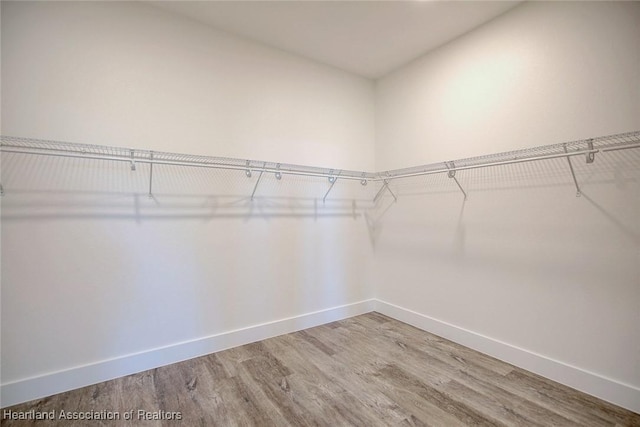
[586,147]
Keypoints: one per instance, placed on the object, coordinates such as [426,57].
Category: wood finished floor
[368,370]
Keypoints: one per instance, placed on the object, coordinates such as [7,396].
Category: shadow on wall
[521,192]
[196,259]
[26,205]
[68,188]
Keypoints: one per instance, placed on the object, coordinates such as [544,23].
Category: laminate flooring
[368,370]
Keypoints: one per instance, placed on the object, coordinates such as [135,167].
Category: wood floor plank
[242,408]
[217,367]
[311,385]
[316,342]
[475,376]
[405,356]
[424,340]
[441,353]
[138,393]
[469,369]
[380,318]
[392,404]
[581,406]
[402,379]
[268,377]
[189,389]
[253,403]
[342,384]
[489,405]
[369,342]
[368,370]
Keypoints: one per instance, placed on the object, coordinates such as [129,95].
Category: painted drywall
[537,75]
[137,76]
[93,270]
[522,261]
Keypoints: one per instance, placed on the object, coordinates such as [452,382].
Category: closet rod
[624,147]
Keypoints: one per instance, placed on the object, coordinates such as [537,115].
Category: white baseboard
[613,391]
[616,392]
[81,376]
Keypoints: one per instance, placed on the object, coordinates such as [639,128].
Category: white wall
[137,76]
[93,271]
[523,270]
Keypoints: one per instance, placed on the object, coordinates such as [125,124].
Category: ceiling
[369,38]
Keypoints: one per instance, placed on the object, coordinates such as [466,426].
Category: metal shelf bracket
[573,174]
[591,155]
[150,174]
[385,185]
[332,179]
[452,174]
[255,187]
[377,196]
[133,163]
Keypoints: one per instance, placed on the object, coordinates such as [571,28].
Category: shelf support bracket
[573,174]
[150,174]
[591,156]
[385,185]
[255,187]
[452,174]
[377,196]
[332,179]
[395,199]
[133,163]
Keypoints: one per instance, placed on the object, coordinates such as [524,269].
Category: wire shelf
[588,147]
[13,144]
[566,149]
